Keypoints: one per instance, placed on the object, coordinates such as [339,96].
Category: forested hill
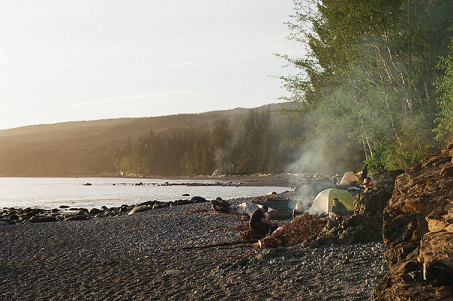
[232,141]
[112,128]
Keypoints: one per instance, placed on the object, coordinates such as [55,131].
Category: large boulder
[418,226]
[385,179]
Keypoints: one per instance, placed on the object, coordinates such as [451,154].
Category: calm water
[112,192]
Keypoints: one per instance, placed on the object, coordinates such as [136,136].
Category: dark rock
[400,252]
[399,228]
[385,179]
[438,273]
[32,212]
[42,219]
[157,205]
[82,212]
[95,211]
[220,205]
[436,254]
[179,202]
[198,199]
[150,203]
[125,209]
[6,221]
[76,217]
[13,217]
[109,213]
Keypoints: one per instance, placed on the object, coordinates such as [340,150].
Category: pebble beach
[175,253]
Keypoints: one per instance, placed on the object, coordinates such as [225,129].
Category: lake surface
[51,193]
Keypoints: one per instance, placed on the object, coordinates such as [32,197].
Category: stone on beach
[141,208]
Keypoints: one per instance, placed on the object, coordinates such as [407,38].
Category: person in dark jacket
[365,172]
[338,211]
[259,222]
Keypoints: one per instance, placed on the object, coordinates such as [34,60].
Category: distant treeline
[252,141]
[247,145]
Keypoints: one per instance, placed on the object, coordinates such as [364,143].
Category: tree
[258,152]
[369,73]
[444,85]
[221,145]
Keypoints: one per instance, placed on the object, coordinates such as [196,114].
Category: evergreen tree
[221,145]
[369,74]
[444,85]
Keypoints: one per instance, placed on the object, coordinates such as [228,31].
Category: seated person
[338,211]
[259,222]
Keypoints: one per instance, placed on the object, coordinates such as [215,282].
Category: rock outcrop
[418,227]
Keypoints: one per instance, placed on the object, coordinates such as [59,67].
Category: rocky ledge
[418,227]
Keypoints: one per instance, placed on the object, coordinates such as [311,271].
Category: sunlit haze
[86,60]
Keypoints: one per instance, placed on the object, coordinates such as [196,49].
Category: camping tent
[323,201]
[349,177]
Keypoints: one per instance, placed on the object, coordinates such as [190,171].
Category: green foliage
[444,85]
[392,154]
[369,76]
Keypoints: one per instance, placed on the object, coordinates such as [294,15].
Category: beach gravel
[140,257]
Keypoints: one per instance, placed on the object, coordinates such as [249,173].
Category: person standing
[334,180]
[365,172]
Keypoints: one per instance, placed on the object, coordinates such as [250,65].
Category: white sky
[64,60]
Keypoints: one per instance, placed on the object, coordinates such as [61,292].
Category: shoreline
[277,180]
[97,192]
[129,257]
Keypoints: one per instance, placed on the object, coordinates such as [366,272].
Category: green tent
[323,201]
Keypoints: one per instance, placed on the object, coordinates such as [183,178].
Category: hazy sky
[83,60]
